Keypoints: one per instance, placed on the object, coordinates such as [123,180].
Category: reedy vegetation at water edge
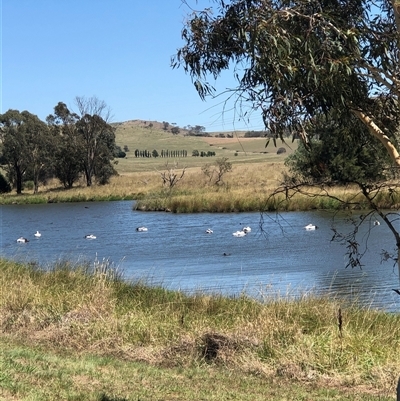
[90,310]
[247,188]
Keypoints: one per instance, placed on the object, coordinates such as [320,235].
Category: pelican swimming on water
[141,229]
[209,231]
[239,234]
[37,234]
[22,239]
[310,227]
[376,223]
[246,229]
[90,236]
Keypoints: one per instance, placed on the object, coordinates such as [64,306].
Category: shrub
[29,185]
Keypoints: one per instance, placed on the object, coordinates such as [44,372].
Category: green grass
[82,332]
[138,137]
[35,374]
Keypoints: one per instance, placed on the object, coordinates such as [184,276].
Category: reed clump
[90,309]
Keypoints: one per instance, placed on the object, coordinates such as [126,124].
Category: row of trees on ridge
[172,153]
[163,153]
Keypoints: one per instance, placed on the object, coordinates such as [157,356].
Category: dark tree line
[163,153]
[209,153]
[67,146]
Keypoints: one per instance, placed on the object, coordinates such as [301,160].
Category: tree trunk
[35,183]
[88,175]
[88,180]
[380,135]
[18,180]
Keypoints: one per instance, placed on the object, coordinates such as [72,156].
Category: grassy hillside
[142,135]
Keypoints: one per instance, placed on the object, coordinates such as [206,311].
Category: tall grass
[247,188]
[90,309]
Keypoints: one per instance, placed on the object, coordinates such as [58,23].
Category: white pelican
[141,229]
[22,239]
[37,234]
[246,229]
[209,231]
[310,227]
[239,234]
[376,223]
[90,236]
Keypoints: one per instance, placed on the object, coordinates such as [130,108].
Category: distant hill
[169,127]
[149,136]
[142,123]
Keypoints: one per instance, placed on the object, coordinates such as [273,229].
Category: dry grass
[247,188]
[246,177]
[84,311]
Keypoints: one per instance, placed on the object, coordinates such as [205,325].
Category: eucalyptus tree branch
[377,73]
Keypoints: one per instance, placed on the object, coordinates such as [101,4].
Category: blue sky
[116,50]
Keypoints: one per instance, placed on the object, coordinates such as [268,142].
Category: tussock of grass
[91,309]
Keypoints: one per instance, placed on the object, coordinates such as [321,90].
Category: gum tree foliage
[14,140]
[98,138]
[40,150]
[26,145]
[86,141]
[339,151]
[69,152]
[293,60]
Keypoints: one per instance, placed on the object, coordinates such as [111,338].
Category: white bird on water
[310,227]
[37,234]
[22,239]
[239,234]
[209,231]
[141,229]
[246,229]
[90,236]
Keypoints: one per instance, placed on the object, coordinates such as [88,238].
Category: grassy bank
[247,188]
[247,180]
[82,333]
